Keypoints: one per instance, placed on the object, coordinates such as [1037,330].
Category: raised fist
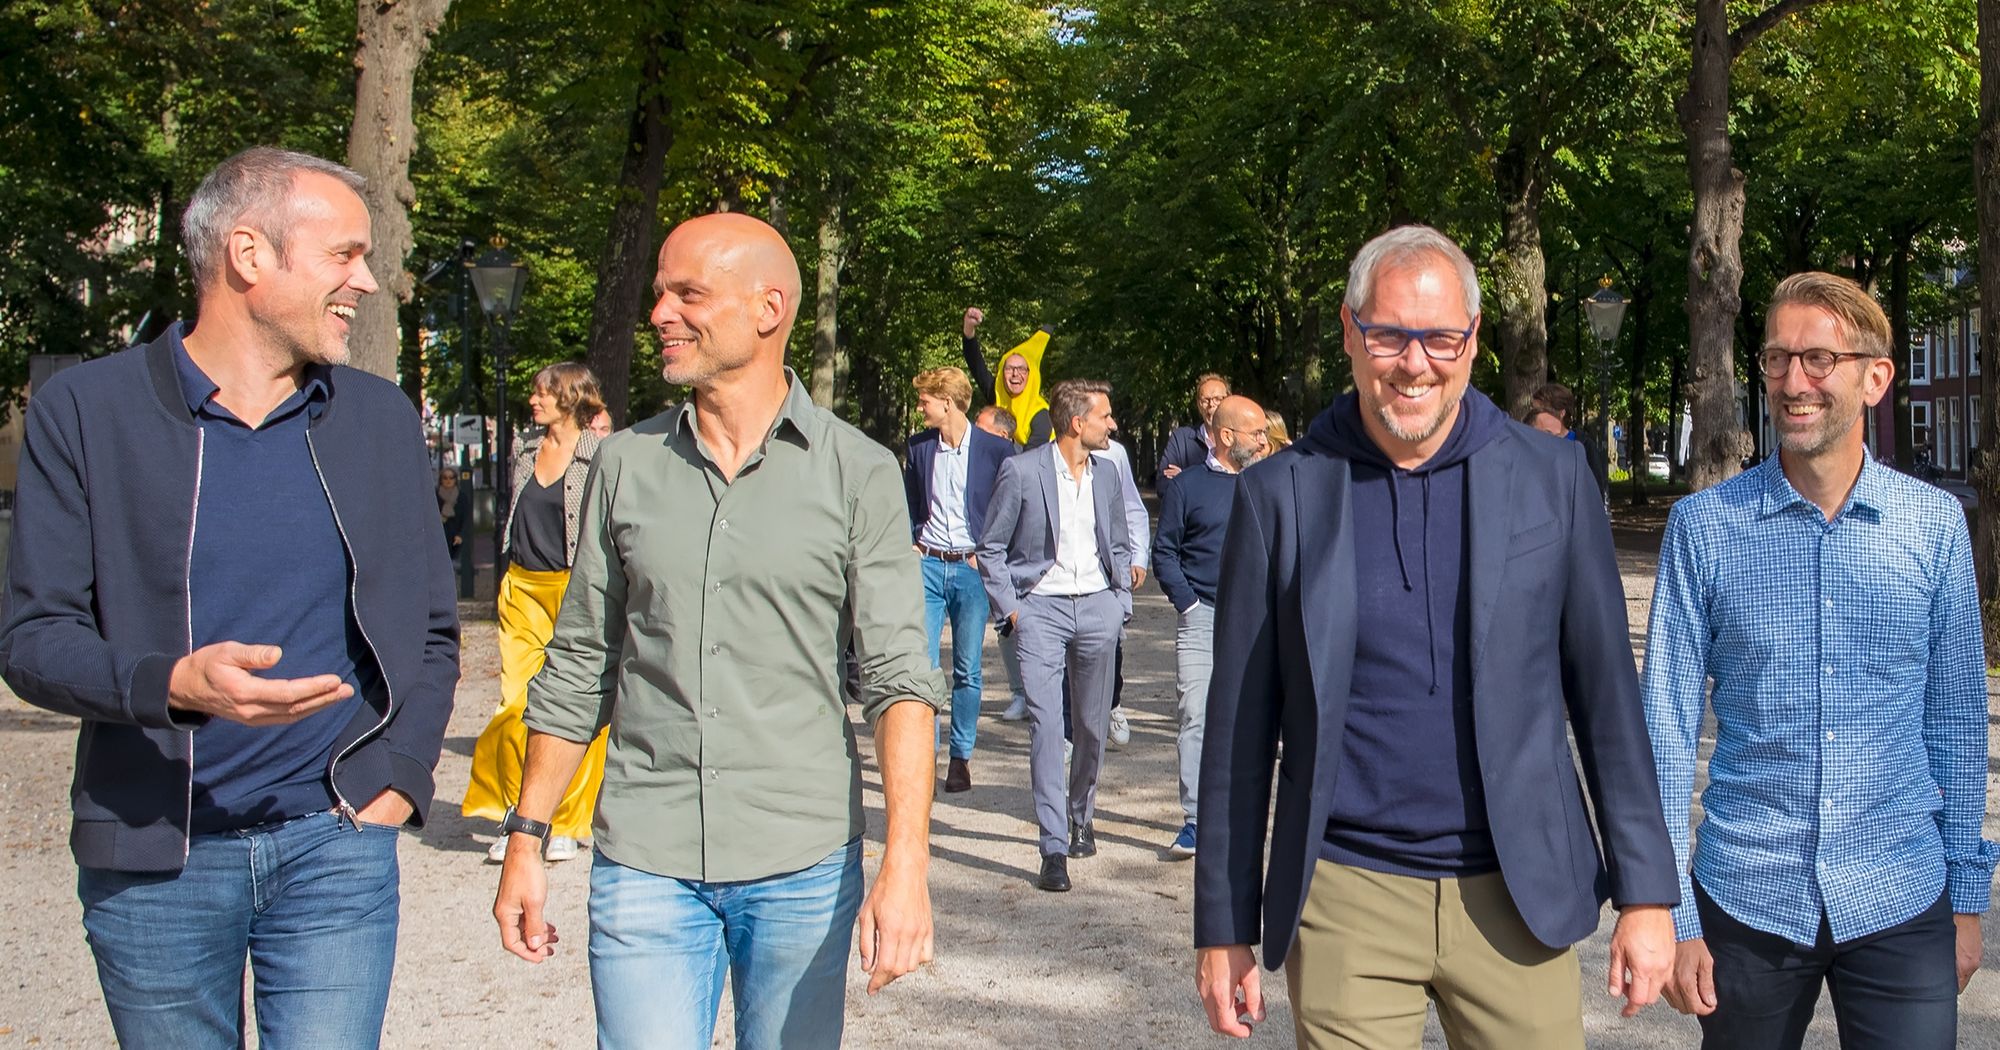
[973,316]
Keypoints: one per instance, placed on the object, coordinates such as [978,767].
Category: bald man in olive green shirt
[729,550]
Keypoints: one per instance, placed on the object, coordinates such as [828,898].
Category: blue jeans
[953,588]
[659,948]
[311,901]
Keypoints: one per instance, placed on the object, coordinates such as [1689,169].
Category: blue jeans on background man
[311,901]
[660,947]
[952,589]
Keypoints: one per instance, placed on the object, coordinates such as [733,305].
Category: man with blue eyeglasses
[1831,601]
[1419,600]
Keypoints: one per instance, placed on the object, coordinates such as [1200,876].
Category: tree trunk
[391,38]
[626,268]
[1520,278]
[410,359]
[1986,477]
[164,304]
[829,371]
[1715,266]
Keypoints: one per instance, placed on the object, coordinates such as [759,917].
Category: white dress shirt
[945,527]
[1077,570]
[1138,528]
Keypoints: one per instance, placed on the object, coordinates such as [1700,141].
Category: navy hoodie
[1409,800]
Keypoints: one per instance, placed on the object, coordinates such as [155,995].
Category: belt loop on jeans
[943,555]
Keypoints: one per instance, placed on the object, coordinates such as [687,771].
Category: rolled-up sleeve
[884,610]
[573,695]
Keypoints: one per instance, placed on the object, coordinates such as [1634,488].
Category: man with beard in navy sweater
[1187,559]
[1419,600]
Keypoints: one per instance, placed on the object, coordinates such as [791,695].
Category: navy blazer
[1017,547]
[1550,652]
[984,454]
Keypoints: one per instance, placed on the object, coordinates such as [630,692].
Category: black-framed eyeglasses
[1776,362]
[1440,344]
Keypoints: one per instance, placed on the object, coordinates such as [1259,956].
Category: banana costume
[1029,402]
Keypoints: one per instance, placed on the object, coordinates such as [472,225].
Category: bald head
[728,291]
[1240,432]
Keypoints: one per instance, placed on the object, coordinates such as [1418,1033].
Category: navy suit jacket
[984,454]
[1018,544]
[1550,652]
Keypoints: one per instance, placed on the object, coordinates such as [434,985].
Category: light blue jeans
[659,948]
[1194,660]
[311,901]
[952,589]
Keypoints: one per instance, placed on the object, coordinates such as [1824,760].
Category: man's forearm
[904,748]
[546,774]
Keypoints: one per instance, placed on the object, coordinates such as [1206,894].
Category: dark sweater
[1187,548]
[97,609]
[1409,799]
[256,484]
[1185,449]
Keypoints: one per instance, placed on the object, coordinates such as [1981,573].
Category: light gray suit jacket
[1018,546]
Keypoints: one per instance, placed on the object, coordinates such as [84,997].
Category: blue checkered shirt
[1849,773]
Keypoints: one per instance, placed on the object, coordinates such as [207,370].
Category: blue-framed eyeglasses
[1440,344]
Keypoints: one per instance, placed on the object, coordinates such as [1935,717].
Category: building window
[1920,361]
[1973,345]
[1920,426]
[1950,412]
[1972,423]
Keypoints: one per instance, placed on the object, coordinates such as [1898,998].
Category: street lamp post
[1606,310]
[498,279]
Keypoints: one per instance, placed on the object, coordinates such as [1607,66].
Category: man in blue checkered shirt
[1831,600]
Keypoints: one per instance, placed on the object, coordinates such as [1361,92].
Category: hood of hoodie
[1338,430]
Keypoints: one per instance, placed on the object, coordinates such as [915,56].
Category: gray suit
[1078,633]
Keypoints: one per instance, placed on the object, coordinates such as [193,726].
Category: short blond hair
[1867,327]
[947,384]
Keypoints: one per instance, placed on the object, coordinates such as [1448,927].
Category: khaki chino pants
[1374,949]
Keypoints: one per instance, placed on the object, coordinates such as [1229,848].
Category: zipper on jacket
[187,595]
[343,806]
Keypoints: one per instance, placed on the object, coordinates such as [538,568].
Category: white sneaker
[1121,730]
[498,851]
[1016,710]
[560,847]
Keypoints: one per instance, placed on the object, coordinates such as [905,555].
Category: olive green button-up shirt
[704,624]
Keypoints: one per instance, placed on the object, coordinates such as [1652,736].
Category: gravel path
[1106,966]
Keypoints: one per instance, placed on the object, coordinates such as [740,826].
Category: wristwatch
[514,822]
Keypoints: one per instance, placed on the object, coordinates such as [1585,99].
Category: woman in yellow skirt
[540,543]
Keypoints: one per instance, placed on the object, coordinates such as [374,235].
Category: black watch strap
[514,822]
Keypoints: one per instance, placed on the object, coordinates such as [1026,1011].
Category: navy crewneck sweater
[1408,800]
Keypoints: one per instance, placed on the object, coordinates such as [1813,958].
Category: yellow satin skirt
[527,606]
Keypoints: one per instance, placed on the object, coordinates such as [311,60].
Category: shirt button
[1828,603]
[715,712]
[715,587]
[1829,736]
[723,524]
[714,775]
[1827,670]
[714,650]
[1826,803]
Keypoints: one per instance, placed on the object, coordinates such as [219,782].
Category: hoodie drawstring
[1396,525]
[1430,598]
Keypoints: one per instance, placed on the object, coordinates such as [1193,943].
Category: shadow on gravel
[18,717]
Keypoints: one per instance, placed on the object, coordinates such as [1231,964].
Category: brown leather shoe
[958,777]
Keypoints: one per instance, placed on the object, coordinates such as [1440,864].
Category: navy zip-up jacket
[98,612]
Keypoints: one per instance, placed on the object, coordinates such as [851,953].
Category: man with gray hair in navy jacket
[1419,600]
[227,564]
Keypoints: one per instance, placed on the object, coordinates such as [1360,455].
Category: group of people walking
[1415,756]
